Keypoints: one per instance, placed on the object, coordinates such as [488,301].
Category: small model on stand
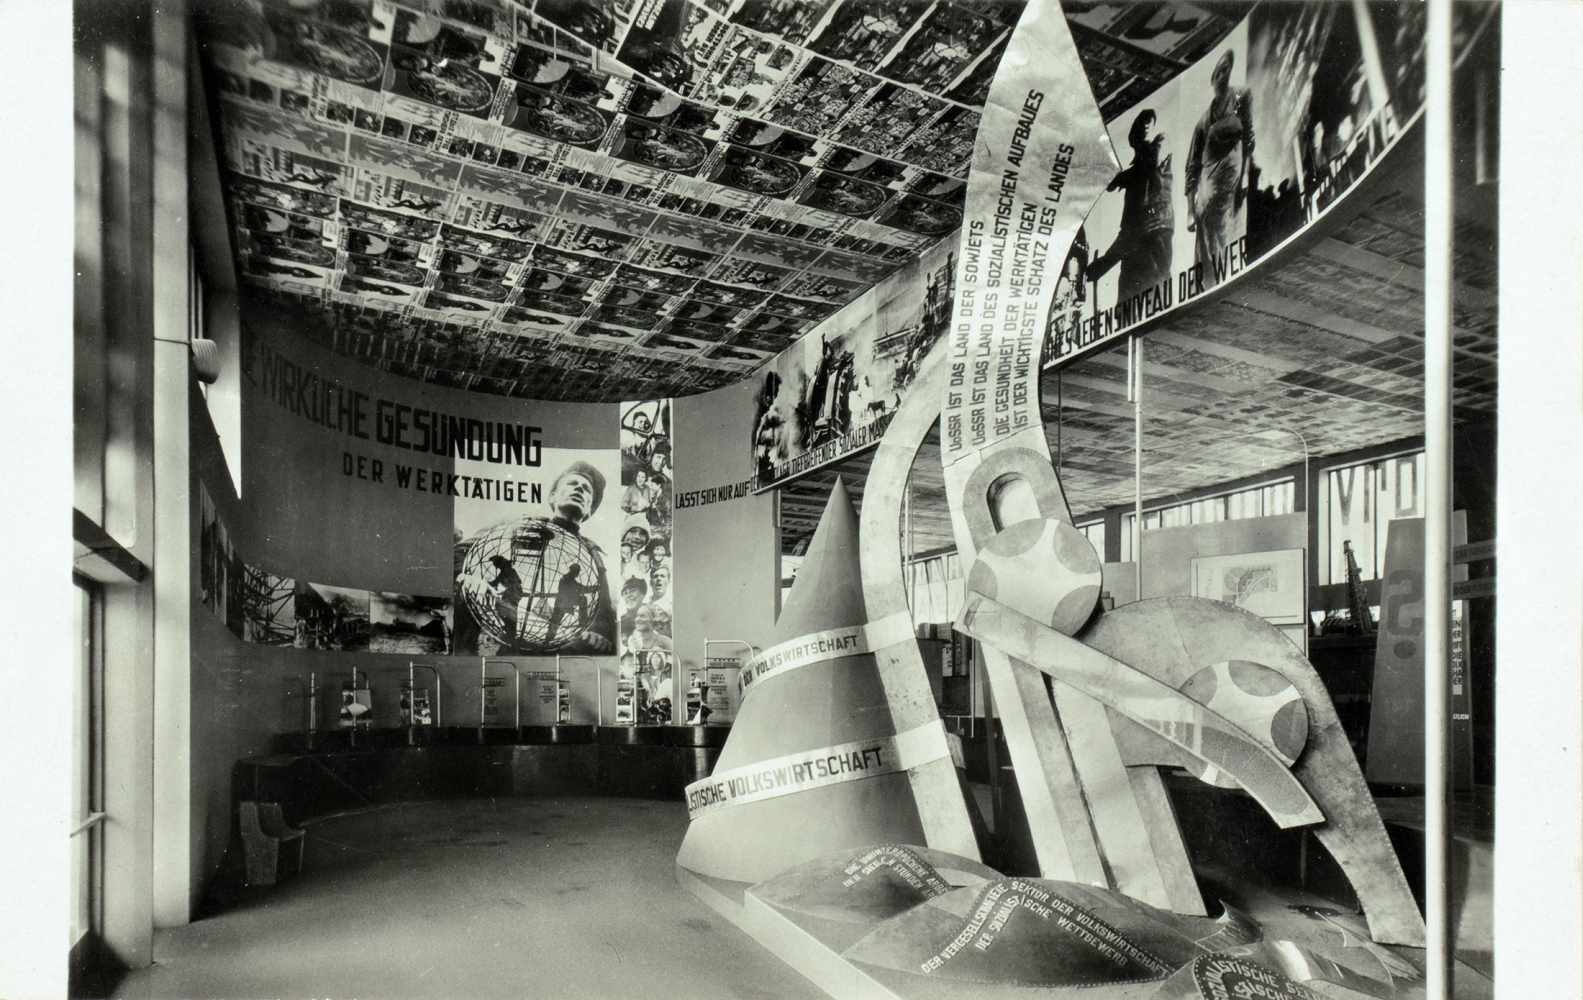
[415,710]
[698,711]
[357,705]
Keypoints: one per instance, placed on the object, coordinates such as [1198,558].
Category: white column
[1438,236]
[1135,395]
[175,887]
[129,495]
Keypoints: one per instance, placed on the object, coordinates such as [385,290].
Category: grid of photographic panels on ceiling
[613,199]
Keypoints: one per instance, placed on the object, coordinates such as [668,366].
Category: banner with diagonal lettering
[1041,159]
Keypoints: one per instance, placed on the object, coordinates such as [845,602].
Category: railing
[752,649]
[88,823]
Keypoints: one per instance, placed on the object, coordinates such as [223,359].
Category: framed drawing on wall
[1269,584]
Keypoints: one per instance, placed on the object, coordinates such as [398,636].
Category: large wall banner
[390,517]
[1216,168]
[647,649]
[1239,152]
[532,568]
[1172,221]
[835,390]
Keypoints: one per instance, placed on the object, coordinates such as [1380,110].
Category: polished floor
[475,899]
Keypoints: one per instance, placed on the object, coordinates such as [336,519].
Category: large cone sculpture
[820,705]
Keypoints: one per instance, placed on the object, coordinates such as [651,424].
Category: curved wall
[328,495]
[302,517]
[1213,180]
[335,499]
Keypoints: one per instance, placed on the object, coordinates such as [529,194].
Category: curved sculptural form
[843,895]
[839,748]
[1204,736]
[1126,696]
[1040,933]
[942,807]
[817,759]
[1175,638]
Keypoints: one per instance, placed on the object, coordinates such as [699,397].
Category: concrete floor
[475,899]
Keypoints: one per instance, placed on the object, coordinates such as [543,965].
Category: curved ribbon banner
[1215,179]
[942,806]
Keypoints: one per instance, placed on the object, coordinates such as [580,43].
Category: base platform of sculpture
[902,922]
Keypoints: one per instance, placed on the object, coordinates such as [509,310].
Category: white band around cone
[830,644]
[807,769]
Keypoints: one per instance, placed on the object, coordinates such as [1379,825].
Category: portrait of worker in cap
[574,495]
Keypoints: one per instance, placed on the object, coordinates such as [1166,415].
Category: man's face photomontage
[572,497]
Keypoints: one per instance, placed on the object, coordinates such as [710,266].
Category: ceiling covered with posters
[622,199]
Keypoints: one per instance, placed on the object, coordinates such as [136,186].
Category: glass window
[937,588]
[1268,500]
[87,714]
[1357,503]
[1094,531]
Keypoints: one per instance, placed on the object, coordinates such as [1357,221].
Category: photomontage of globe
[512,574]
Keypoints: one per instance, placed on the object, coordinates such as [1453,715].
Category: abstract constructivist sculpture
[835,817]
[1148,689]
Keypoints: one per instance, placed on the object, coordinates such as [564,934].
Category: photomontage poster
[656,685]
[1219,164]
[330,617]
[835,391]
[1238,153]
[1172,221]
[269,609]
[365,143]
[531,553]
[1326,121]
[208,544]
[646,601]
[406,623]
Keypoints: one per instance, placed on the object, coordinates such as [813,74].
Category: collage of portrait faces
[647,654]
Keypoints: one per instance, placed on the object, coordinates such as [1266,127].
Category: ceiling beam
[1298,311]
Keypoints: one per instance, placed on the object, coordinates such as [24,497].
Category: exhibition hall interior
[759,498]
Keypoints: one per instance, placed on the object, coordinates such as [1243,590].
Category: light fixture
[205,359]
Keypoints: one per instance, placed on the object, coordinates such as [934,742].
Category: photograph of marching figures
[908,499]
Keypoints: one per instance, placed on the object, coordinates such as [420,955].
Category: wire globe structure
[542,553]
